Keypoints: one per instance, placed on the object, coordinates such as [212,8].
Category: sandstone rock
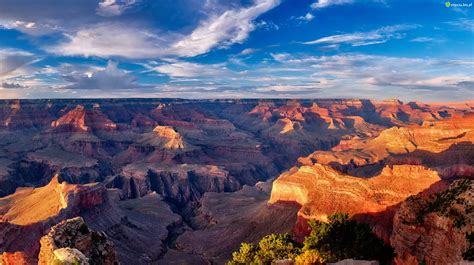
[225,220]
[180,184]
[369,178]
[139,227]
[435,229]
[28,213]
[83,120]
[71,242]
[322,191]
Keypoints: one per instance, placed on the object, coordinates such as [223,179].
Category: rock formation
[28,213]
[224,220]
[71,241]
[436,229]
[369,178]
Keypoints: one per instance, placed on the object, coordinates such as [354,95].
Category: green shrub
[338,239]
[341,238]
[270,248]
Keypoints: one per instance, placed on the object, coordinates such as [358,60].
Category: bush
[338,239]
[310,257]
[270,248]
[342,238]
[245,255]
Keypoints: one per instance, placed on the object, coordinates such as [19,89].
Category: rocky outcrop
[140,228]
[436,229]
[322,191]
[181,184]
[369,178]
[71,241]
[28,213]
[81,119]
[224,220]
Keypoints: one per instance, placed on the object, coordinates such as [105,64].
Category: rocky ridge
[436,229]
[71,241]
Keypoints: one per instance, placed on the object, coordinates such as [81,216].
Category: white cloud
[377,36]
[187,69]
[110,8]
[423,39]
[297,88]
[463,24]
[248,51]
[280,57]
[107,40]
[232,26]
[308,17]
[325,3]
[109,78]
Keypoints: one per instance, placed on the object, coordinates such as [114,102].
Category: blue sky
[411,50]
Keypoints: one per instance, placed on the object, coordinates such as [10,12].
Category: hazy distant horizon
[230,99]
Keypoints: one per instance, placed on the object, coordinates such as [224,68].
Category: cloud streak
[377,36]
[232,26]
[326,3]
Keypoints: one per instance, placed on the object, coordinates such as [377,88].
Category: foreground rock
[28,214]
[436,229]
[71,242]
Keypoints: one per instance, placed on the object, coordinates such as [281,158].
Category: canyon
[175,181]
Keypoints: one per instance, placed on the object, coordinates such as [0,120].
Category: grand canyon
[176,181]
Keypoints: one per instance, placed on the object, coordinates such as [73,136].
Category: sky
[378,49]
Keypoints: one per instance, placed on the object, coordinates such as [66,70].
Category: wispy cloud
[232,26]
[111,39]
[426,39]
[187,69]
[308,17]
[248,51]
[377,36]
[15,63]
[463,24]
[110,8]
[325,3]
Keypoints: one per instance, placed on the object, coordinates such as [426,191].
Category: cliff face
[181,184]
[81,119]
[322,191]
[28,213]
[71,240]
[140,228]
[225,220]
[436,229]
[369,178]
